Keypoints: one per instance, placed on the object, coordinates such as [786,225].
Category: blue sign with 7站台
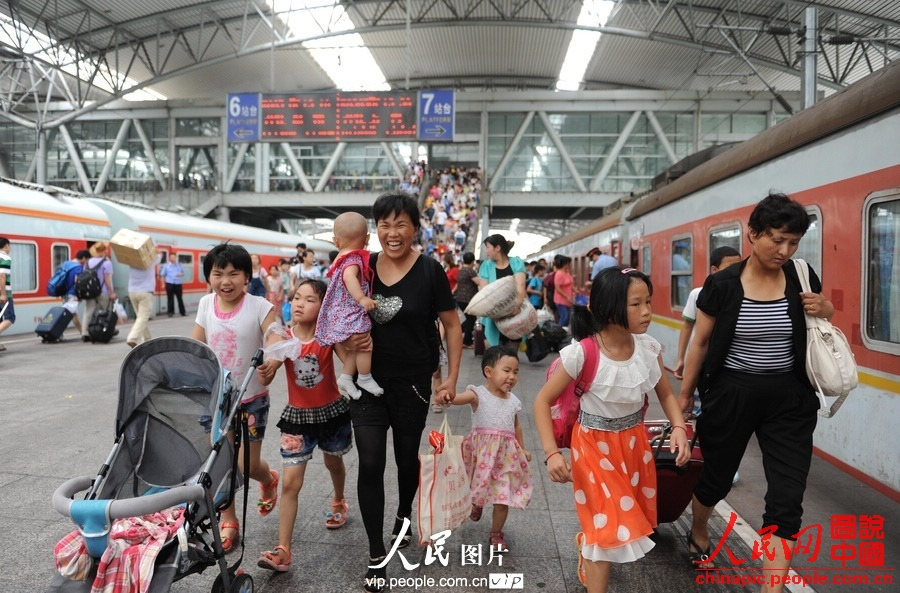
[437,115]
[243,117]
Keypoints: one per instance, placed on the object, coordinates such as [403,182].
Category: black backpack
[87,283]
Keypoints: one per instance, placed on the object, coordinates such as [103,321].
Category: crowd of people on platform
[407,303]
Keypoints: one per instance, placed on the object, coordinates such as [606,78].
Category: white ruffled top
[619,385]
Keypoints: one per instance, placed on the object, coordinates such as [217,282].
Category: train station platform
[59,405]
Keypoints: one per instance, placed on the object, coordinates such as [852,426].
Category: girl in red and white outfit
[612,468]
[316,416]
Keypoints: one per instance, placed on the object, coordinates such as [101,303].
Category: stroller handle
[129,507]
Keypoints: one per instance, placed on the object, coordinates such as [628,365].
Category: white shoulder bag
[830,365]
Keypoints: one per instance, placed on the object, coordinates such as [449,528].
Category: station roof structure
[90,52]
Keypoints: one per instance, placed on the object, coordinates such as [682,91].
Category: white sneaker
[347,388]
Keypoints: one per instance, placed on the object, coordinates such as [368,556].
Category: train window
[810,248]
[682,272]
[187,264]
[882,273]
[725,236]
[24,266]
[645,258]
[60,252]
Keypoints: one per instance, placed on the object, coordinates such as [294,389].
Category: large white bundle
[496,300]
[519,325]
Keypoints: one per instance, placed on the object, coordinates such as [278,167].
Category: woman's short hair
[777,211]
[395,203]
[609,299]
[498,240]
[227,253]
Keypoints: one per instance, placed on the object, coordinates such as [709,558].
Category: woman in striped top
[748,358]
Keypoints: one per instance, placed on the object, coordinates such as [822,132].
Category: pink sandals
[272,560]
[338,515]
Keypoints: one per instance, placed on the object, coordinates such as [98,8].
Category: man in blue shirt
[601,260]
[70,301]
[173,274]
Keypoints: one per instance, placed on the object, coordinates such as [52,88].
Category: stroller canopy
[180,365]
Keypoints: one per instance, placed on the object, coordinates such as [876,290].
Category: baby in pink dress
[345,309]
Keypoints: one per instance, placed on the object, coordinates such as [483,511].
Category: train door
[615,248]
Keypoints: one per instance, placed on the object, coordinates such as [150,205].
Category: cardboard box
[133,249]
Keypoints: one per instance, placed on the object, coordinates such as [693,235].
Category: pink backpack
[564,412]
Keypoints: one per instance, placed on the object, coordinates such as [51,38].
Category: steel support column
[614,152]
[389,152]
[295,165]
[236,166]
[661,136]
[111,157]
[511,149]
[76,159]
[563,153]
[40,158]
[808,79]
[151,156]
[332,163]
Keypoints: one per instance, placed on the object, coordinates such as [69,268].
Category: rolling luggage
[102,326]
[53,324]
[478,338]
[674,485]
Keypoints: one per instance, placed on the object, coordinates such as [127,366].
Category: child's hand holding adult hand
[558,468]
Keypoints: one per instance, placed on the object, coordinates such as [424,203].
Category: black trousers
[468,326]
[404,409]
[781,411]
[173,291]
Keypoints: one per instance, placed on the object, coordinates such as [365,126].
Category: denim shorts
[257,417]
[10,313]
[297,449]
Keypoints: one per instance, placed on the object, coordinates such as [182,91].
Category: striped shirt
[762,340]
[5,272]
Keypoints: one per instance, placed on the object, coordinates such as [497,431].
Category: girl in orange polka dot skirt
[612,467]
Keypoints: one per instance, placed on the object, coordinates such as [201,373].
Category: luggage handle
[656,443]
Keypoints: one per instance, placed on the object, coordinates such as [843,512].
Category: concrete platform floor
[59,405]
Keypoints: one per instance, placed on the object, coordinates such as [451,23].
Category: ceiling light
[594,13]
[344,58]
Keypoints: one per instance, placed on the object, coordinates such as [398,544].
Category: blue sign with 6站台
[243,117]
[437,115]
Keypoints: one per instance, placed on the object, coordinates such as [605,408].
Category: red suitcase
[674,485]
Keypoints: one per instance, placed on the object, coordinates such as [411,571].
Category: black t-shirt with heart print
[404,332]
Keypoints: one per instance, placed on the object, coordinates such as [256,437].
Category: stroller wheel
[240,583]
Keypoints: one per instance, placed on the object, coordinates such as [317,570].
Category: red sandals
[268,495]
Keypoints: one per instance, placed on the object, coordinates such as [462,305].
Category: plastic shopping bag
[444,501]
[120,311]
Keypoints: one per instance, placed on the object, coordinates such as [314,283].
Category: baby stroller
[176,404]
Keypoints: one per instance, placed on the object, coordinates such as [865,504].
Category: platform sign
[437,115]
[340,116]
[244,117]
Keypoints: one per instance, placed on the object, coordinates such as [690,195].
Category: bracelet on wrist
[681,427]
[547,458]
